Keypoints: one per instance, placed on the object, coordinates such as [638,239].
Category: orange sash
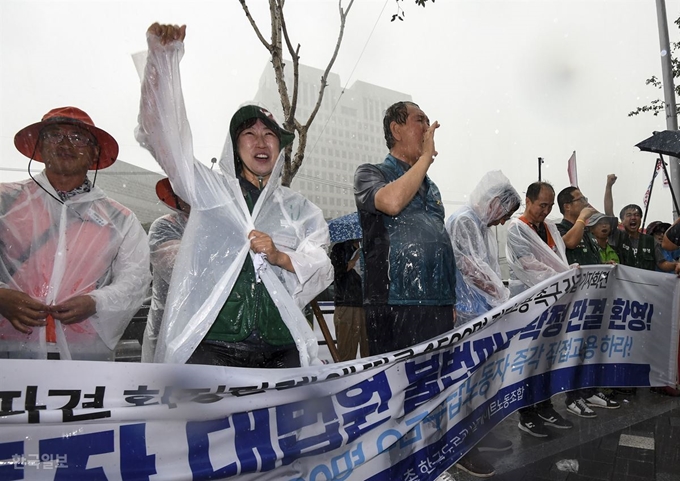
[550,241]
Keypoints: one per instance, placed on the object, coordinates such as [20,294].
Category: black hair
[395,113]
[534,190]
[246,124]
[629,207]
[565,196]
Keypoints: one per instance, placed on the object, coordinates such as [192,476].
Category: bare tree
[279,35]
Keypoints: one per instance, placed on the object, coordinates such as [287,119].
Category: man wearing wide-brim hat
[165,238]
[74,264]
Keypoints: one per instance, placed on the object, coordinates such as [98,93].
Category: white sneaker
[580,408]
[600,400]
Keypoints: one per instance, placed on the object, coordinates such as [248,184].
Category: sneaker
[580,408]
[475,464]
[552,418]
[530,423]
[601,400]
[491,442]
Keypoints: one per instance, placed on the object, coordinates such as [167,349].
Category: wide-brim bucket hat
[600,217]
[26,140]
[248,112]
[166,194]
[657,226]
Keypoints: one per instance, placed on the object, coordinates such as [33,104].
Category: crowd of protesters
[241,255]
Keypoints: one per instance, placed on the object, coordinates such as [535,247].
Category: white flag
[571,170]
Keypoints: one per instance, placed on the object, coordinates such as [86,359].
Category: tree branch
[324,77]
[295,56]
[254,25]
[277,57]
[296,162]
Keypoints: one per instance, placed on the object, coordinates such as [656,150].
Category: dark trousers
[391,328]
[584,393]
[245,354]
[534,409]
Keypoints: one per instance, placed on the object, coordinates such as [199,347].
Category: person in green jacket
[601,226]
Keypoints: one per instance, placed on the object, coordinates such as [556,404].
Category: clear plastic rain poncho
[479,285]
[215,243]
[165,237]
[532,260]
[52,251]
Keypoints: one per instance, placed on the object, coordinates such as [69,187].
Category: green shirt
[608,254]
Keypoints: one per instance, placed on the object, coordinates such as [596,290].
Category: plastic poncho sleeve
[220,221]
[532,260]
[128,287]
[476,259]
[313,268]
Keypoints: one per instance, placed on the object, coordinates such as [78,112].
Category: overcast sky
[509,81]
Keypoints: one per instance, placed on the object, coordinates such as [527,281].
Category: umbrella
[345,228]
[666,142]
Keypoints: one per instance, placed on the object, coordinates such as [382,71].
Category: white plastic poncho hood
[51,251]
[479,285]
[532,260]
[215,243]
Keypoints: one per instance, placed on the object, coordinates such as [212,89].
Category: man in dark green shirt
[581,248]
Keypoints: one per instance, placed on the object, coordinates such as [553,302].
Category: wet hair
[395,113]
[565,196]
[630,207]
[534,190]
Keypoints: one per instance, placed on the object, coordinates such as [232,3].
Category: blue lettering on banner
[10,472]
[293,418]
[430,376]
[135,463]
[360,398]
[78,449]
[637,316]
[423,378]
[587,314]
[252,441]
[383,442]
[341,466]
[199,448]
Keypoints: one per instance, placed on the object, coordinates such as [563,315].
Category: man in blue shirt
[409,283]
[409,271]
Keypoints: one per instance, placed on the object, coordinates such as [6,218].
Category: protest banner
[405,416]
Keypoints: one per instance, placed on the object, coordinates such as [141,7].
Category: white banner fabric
[405,416]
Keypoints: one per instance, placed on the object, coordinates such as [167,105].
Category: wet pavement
[638,442]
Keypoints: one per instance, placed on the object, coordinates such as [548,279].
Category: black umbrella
[666,142]
[663,143]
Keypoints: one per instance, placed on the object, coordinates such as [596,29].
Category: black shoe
[475,464]
[491,442]
[530,423]
[552,418]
